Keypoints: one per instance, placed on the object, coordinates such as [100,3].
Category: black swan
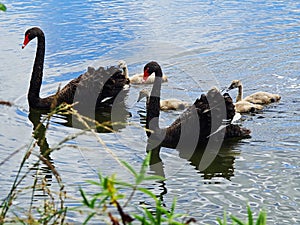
[260,97]
[199,122]
[138,78]
[105,83]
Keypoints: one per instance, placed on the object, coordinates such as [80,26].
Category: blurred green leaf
[250,217]
[238,221]
[130,168]
[2,7]
[262,218]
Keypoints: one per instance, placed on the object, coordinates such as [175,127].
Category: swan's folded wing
[95,85]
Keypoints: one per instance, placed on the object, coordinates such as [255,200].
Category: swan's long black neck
[37,73]
[153,108]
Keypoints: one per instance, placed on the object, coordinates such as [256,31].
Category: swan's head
[143,94]
[234,84]
[152,67]
[31,34]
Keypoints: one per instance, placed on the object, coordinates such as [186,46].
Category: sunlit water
[199,45]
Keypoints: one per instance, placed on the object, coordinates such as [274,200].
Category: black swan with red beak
[101,84]
[209,116]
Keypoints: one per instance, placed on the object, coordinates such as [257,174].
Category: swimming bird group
[254,101]
[210,113]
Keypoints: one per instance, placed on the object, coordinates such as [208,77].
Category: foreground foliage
[261,220]
[109,204]
[2,7]
[110,195]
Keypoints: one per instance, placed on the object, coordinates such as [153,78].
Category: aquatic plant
[109,202]
[2,7]
[261,220]
[110,195]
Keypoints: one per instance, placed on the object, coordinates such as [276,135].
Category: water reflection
[105,120]
[44,167]
[221,166]
[109,118]
[225,39]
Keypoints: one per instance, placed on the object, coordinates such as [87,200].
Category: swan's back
[246,107]
[262,97]
[94,86]
[211,110]
[173,104]
[167,104]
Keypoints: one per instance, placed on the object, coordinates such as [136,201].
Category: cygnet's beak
[230,88]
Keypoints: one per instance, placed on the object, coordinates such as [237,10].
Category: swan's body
[200,121]
[246,107]
[167,104]
[263,98]
[260,97]
[104,82]
[138,78]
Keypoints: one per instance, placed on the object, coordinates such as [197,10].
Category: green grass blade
[2,7]
[142,219]
[150,217]
[238,221]
[173,206]
[250,216]
[154,177]
[93,182]
[224,222]
[145,164]
[85,200]
[159,212]
[147,192]
[130,168]
[88,218]
[262,218]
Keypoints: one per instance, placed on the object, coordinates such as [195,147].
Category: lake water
[199,45]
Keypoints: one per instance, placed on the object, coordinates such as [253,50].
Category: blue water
[199,45]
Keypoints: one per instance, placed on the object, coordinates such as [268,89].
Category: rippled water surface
[199,45]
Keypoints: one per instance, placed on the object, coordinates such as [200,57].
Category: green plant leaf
[154,177]
[262,218]
[88,218]
[85,200]
[145,163]
[224,222]
[93,182]
[130,168]
[2,7]
[142,219]
[173,206]
[220,221]
[250,217]
[150,217]
[159,212]
[147,192]
[124,184]
[238,221]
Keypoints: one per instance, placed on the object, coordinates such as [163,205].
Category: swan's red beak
[26,41]
[146,74]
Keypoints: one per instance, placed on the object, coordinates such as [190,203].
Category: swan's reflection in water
[221,166]
[44,167]
[104,120]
